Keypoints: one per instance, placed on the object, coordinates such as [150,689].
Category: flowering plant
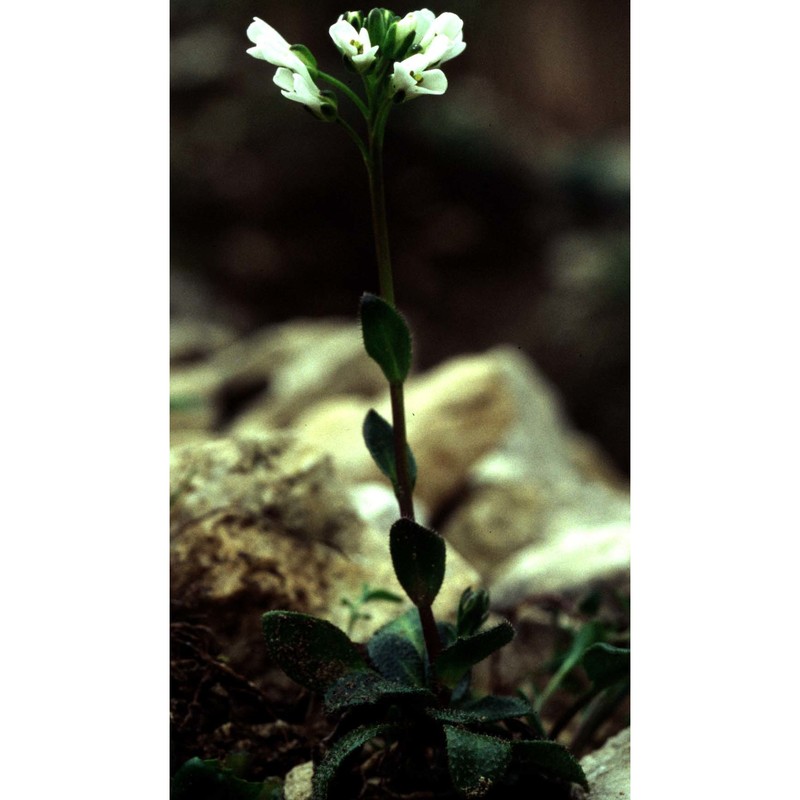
[409,686]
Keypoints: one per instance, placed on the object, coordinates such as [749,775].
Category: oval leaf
[418,555]
[369,688]
[455,660]
[606,664]
[387,339]
[309,650]
[550,758]
[348,744]
[487,709]
[379,439]
[475,760]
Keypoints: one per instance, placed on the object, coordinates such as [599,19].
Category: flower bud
[473,609]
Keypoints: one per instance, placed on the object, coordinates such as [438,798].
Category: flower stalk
[397,59]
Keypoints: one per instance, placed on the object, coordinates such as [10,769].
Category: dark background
[508,196]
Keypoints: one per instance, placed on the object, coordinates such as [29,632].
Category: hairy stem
[403,490]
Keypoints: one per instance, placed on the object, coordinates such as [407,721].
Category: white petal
[434,81]
[259,31]
[343,33]
[284,78]
[402,79]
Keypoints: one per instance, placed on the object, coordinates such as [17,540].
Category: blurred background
[508,197]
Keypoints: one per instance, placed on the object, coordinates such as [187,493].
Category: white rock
[608,770]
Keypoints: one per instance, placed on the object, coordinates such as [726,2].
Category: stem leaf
[387,339]
[418,555]
[379,439]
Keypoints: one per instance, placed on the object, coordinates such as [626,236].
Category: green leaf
[379,439]
[309,650]
[380,594]
[455,660]
[397,649]
[369,688]
[550,758]
[208,780]
[606,664]
[347,745]
[475,760]
[586,636]
[386,337]
[418,556]
[487,709]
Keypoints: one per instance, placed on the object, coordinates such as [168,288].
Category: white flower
[272,47]
[413,77]
[353,44]
[300,88]
[417,21]
[436,40]
[443,39]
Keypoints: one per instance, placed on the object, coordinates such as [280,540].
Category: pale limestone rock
[608,770]
[297,785]
[456,414]
[496,521]
[539,479]
[574,558]
[274,374]
[261,523]
[192,340]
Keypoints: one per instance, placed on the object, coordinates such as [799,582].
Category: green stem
[355,137]
[379,226]
[403,491]
[346,90]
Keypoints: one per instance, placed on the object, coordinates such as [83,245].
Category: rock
[608,769]
[265,380]
[539,478]
[298,782]
[261,523]
[575,559]
[194,340]
[456,414]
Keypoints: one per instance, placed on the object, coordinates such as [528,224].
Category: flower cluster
[399,58]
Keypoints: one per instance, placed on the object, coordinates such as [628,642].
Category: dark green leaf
[369,688]
[475,760]
[347,745]
[606,664]
[418,556]
[379,439]
[455,660]
[397,649]
[487,709]
[208,780]
[386,337]
[550,758]
[309,650]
